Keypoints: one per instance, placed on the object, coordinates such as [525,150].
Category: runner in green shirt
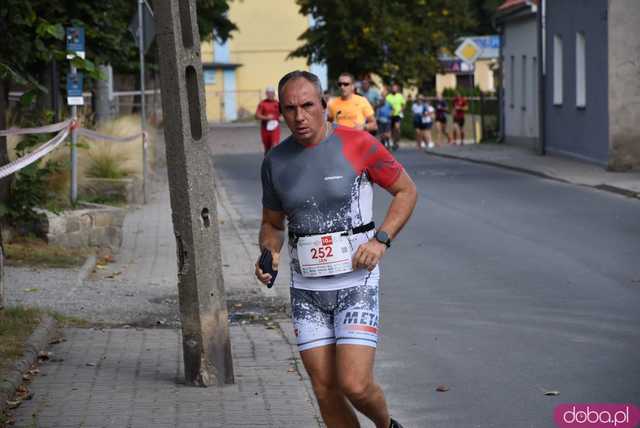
[397,102]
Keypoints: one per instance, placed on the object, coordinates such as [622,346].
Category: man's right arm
[271,238]
[259,114]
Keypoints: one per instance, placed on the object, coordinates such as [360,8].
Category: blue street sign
[75,41]
[74,89]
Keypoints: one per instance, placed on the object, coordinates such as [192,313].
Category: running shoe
[394,424]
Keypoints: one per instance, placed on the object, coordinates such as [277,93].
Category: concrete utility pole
[203,310]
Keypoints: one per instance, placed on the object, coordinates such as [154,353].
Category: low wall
[127,190]
[92,225]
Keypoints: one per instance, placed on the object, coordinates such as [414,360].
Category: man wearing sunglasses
[351,110]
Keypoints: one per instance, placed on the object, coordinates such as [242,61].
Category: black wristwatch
[382,237]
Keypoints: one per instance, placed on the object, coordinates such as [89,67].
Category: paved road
[503,286]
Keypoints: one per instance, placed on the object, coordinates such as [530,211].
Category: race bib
[323,255]
[426,119]
[272,124]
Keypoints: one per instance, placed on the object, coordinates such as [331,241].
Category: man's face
[271,95]
[365,85]
[395,88]
[303,111]
[346,86]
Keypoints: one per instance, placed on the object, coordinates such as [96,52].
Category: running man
[460,106]
[351,110]
[320,180]
[397,102]
[268,113]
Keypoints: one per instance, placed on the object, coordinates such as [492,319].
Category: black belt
[359,229]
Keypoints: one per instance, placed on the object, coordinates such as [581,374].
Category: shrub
[105,164]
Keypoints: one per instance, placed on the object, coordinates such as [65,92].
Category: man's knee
[356,389]
[325,388]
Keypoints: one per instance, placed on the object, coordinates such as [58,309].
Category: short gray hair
[300,74]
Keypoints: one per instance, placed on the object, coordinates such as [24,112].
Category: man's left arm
[402,205]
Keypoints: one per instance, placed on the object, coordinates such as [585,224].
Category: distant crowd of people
[361,105]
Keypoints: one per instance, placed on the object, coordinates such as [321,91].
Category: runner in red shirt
[268,113]
[460,106]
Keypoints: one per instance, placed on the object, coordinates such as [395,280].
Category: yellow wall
[267,33]
[444,81]
[482,76]
[214,99]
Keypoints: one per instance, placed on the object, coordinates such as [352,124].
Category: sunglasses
[344,83]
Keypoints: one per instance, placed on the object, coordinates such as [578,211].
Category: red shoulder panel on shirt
[365,153]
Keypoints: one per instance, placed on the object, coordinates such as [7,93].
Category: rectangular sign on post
[74,89]
[75,42]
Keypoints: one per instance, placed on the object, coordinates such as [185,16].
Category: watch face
[382,237]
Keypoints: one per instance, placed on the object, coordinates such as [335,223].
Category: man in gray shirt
[320,180]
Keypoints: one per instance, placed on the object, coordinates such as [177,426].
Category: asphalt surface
[503,286]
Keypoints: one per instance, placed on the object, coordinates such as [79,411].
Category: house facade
[237,72]
[517,23]
[591,80]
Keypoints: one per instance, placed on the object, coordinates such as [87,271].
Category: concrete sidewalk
[550,166]
[133,377]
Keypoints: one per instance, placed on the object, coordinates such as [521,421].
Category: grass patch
[16,325]
[105,164]
[29,251]
[69,321]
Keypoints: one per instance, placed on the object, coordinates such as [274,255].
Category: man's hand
[265,278]
[368,255]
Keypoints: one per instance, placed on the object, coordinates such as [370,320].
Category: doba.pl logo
[596,415]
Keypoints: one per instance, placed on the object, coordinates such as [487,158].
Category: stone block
[102,218]
[73,223]
[97,237]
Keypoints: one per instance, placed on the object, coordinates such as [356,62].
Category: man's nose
[299,114]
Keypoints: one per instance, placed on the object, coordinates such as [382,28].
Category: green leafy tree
[34,37]
[398,40]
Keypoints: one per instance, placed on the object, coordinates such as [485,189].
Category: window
[512,81]
[523,85]
[557,70]
[209,77]
[581,71]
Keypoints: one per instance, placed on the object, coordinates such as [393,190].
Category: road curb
[603,187]
[86,269]
[38,341]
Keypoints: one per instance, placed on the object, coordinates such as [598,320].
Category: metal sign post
[75,47]
[203,309]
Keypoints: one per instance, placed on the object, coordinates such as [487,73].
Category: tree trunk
[5,183]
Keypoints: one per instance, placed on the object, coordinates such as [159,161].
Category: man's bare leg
[355,377]
[336,411]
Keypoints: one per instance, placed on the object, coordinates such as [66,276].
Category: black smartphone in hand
[266,265]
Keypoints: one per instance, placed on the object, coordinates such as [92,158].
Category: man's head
[345,83]
[366,84]
[302,106]
[395,88]
[270,92]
